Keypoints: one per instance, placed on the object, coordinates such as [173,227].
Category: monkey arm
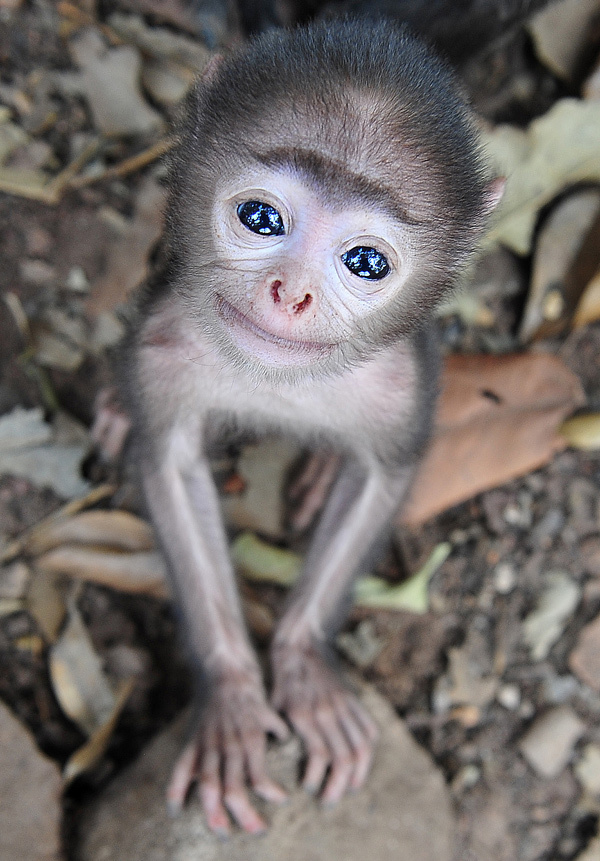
[335,728]
[228,741]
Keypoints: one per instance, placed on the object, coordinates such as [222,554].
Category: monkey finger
[182,777]
[316,749]
[362,746]
[235,796]
[210,790]
[342,761]
[364,718]
[262,784]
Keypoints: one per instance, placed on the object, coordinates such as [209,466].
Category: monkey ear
[493,194]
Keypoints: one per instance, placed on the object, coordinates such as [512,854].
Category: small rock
[466,778]
[77,280]
[590,556]
[505,578]
[509,696]
[584,660]
[361,646]
[543,627]
[37,272]
[548,745]
[559,689]
[588,769]
[30,782]
[548,527]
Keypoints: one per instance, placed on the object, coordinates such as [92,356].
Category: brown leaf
[138,573]
[128,264]
[498,417]
[116,529]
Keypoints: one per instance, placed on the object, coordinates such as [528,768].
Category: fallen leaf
[261,562]
[46,601]
[87,756]
[556,151]
[412,595]
[136,573]
[588,309]
[545,625]
[29,448]
[111,529]
[561,32]
[127,265]
[557,245]
[29,782]
[498,418]
[109,79]
[582,432]
[79,683]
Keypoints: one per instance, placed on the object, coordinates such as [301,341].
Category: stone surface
[549,743]
[584,660]
[30,789]
[403,812]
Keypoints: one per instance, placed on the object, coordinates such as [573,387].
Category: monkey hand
[337,732]
[227,751]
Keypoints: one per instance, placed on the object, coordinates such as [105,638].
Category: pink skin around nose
[295,307]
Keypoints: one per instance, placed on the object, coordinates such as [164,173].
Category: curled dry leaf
[588,309]
[498,417]
[115,529]
[557,150]
[93,750]
[139,573]
[78,680]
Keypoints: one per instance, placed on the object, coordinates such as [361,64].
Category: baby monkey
[326,191]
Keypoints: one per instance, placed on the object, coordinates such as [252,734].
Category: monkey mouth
[264,345]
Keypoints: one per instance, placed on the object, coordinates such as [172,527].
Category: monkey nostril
[299,307]
[275,288]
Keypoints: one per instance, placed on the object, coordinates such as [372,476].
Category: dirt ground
[499,680]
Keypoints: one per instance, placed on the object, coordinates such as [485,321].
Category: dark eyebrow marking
[336,180]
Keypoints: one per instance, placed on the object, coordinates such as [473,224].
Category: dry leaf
[128,263]
[138,573]
[109,79]
[111,529]
[78,680]
[557,150]
[92,752]
[498,417]
[560,34]
[588,310]
[30,448]
[46,601]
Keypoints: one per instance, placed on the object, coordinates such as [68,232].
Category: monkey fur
[326,192]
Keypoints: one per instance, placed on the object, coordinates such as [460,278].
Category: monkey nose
[295,304]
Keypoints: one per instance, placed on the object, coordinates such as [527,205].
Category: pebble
[509,696]
[548,745]
[505,577]
[584,660]
[37,272]
[588,769]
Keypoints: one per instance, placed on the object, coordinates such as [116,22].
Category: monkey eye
[261,218]
[366,263]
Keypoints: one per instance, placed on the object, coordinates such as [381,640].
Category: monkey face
[297,269]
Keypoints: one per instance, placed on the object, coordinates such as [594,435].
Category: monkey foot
[227,753]
[338,733]
[111,425]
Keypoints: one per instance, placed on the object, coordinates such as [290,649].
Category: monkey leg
[309,491]
[226,750]
[338,733]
